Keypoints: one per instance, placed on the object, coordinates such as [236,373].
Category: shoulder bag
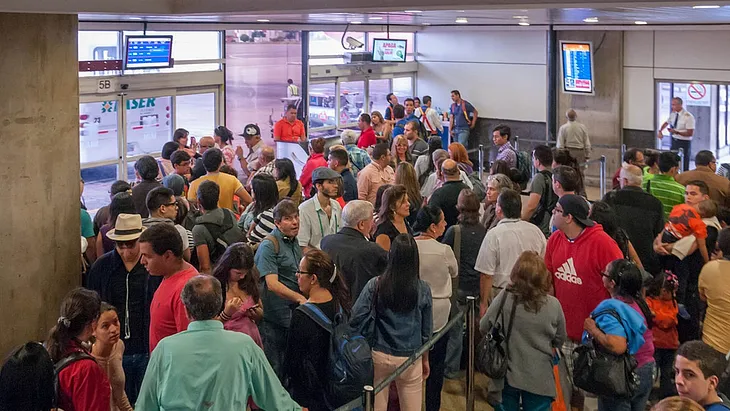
[603,373]
[493,349]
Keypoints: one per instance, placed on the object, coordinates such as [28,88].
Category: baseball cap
[251,130]
[577,207]
[324,173]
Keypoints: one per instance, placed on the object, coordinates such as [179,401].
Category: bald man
[204,144]
[446,197]
[639,213]
[574,136]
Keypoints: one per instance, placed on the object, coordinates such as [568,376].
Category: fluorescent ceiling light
[462,20]
[426,24]
[641,23]
[523,23]
[375,18]
[413,11]
[519,17]
[263,20]
[708,6]
[355,22]
[591,20]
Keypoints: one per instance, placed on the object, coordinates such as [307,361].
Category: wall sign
[577,65]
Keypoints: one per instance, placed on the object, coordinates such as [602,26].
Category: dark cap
[251,130]
[576,206]
[324,173]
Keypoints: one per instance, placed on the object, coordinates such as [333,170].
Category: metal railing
[367,402]
[680,153]
[601,173]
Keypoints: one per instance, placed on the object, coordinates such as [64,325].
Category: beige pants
[410,383]
[579,154]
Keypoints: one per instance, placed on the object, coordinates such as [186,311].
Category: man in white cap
[321,215]
[121,280]
[252,137]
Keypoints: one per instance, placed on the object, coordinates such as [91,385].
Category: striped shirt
[667,190]
[263,225]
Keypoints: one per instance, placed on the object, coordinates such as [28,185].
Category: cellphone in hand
[192,141]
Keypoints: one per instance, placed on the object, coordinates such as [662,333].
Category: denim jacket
[397,334]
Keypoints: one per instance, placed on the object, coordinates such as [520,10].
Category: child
[661,298]
[685,221]
[708,210]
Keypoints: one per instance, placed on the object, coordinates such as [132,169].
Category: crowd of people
[205,281]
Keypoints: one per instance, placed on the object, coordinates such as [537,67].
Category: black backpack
[548,199]
[224,235]
[350,365]
[63,363]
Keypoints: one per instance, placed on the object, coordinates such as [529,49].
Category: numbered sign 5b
[106,85]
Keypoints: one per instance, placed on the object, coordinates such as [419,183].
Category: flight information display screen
[577,62]
[145,52]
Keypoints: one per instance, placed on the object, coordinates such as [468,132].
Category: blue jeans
[134,366]
[274,338]
[530,402]
[462,136]
[640,398]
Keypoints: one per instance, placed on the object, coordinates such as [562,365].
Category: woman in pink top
[108,350]
[238,276]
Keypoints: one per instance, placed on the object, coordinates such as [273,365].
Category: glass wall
[196,113]
[258,65]
[352,102]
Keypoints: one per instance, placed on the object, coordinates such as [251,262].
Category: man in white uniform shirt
[681,126]
[503,245]
[429,117]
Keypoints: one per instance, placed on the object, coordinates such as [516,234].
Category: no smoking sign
[698,94]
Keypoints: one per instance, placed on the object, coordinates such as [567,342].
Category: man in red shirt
[290,128]
[161,249]
[367,135]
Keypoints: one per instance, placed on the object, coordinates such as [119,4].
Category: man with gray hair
[639,213]
[574,136]
[207,367]
[358,259]
[359,158]
[446,197]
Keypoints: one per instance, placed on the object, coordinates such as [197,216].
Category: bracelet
[224,316]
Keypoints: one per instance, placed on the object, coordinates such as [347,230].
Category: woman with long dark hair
[287,182]
[82,385]
[538,327]
[224,139]
[108,350]
[26,379]
[437,266]
[258,219]
[603,214]
[403,323]
[307,354]
[562,157]
[631,334]
[391,219]
[239,278]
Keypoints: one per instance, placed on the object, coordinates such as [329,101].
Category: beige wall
[39,172]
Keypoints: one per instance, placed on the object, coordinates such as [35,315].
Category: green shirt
[667,190]
[209,368]
[285,265]
[647,174]
[87,226]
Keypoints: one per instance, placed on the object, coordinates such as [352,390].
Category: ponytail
[79,308]
[329,277]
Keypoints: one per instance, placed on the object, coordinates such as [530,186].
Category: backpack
[548,200]
[478,186]
[523,166]
[224,235]
[61,365]
[350,365]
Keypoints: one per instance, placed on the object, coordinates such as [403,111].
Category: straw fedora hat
[128,227]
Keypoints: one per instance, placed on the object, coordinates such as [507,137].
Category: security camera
[124,86]
[354,43]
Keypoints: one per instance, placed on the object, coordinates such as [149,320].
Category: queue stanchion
[681,160]
[481,162]
[471,357]
[623,151]
[517,143]
[368,398]
[602,175]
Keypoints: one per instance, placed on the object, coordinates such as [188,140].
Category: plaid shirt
[358,157]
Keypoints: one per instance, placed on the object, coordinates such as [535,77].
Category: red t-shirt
[684,220]
[83,385]
[367,138]
[287,131]
[167,311]
[577,268]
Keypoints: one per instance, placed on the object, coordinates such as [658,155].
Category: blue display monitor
[146,52]
[389,50]
[577,64]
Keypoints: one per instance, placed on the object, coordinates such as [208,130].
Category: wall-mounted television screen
[577,62]
[146,52]
[389,50]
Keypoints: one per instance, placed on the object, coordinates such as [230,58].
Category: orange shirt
[665,323]
[684,220]
[286,131]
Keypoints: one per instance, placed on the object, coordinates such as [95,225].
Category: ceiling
[664,15]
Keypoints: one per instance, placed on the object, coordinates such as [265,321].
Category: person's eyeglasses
[304,272]
[174,203]
[605,274]
[126,244]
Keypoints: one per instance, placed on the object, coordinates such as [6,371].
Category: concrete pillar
[39,172]
[601,113]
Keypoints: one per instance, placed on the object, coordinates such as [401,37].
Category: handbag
[603,373]
[493,349]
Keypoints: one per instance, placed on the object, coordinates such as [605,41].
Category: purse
[603,373]
[492,351]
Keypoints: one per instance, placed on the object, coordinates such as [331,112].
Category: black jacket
[358,259]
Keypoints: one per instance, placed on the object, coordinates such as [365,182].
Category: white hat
[128,227]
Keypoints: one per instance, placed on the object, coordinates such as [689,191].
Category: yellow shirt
[714,285]
[228,186]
